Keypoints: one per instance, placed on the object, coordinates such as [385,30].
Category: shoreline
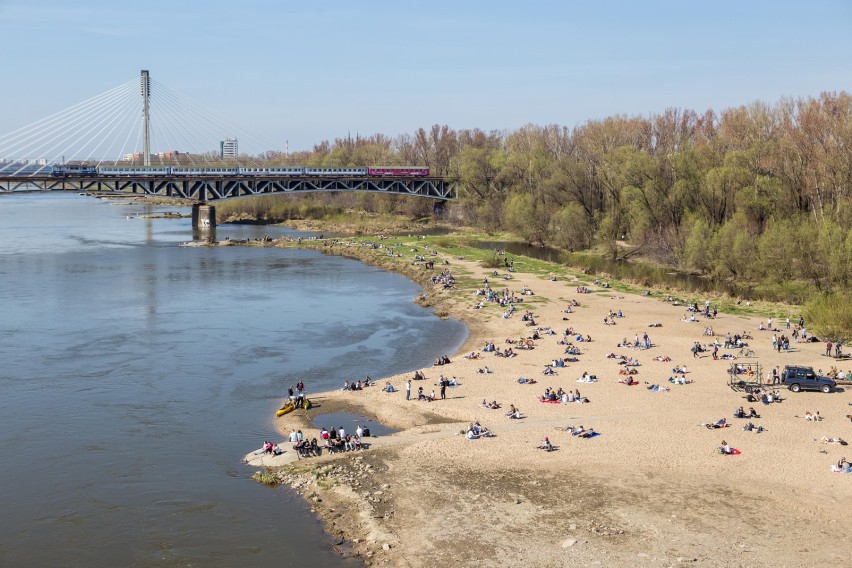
[360,499]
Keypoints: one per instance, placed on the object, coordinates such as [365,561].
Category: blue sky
[305,71]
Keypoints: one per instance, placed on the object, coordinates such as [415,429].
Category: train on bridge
[84,170]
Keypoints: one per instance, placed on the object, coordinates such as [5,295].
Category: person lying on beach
[473,355]
[812,417]
[490,405]
[630,381]
[679,380]
[587,378]
[658,388]
[829,440]
[750,427]
[720,423]
[549,371]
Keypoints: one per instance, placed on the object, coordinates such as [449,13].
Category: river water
[135,374]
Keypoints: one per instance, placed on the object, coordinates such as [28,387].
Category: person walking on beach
[408,389]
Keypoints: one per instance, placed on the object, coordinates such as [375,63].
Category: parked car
[805,378]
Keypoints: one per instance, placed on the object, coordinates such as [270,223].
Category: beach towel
[557,401]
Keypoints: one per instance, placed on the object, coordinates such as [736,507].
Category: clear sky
[305,71]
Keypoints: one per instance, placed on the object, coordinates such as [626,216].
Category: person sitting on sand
[844,466]
[516,414]
[484,371]
[752,413]
[725,448]
[739,413]
[546,445]
[471,435]
[389,388]
[420,395]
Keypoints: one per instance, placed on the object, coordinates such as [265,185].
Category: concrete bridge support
[439,208]
[203,216]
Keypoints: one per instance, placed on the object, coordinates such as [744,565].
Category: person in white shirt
[359,431]
[341,433]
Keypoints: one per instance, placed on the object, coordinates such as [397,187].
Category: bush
[830,316]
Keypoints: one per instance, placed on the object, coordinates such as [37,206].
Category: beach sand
[650,490]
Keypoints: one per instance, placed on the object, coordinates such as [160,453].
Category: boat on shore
[292,405]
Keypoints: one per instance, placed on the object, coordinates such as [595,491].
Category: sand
[650,490]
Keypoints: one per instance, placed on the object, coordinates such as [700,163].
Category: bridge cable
[46,121]
[36,138]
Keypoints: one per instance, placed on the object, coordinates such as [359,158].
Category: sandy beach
[651,489]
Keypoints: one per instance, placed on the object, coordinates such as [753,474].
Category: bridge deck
[212,188]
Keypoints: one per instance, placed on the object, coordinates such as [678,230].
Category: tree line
[758,192]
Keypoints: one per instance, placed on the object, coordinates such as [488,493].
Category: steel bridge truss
[230,187]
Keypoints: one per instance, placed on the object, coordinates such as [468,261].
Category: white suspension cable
[210,111]
[89,127]
[203,121]
[65,131]
[182,115]
[10,136]
[126,116]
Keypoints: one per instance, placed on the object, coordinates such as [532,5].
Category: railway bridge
[65,152]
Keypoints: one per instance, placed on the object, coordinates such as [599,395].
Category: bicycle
[746,352]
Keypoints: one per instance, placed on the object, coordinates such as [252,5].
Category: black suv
[804,378]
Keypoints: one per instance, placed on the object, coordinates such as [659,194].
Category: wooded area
[759,192]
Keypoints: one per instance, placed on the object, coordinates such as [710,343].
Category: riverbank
[650,490]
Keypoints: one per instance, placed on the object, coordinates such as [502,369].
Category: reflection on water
[136,373]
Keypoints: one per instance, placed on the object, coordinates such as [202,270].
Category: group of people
[476,431]
[269,448]
[358,385]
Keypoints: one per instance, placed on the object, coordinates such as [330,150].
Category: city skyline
[303,73]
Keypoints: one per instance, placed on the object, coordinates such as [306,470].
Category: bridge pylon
[145,86]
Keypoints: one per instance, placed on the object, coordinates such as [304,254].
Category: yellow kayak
[289,407]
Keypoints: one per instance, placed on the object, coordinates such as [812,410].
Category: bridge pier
[203,216]
[438,208]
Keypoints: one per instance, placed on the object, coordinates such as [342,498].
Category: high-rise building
[228,148]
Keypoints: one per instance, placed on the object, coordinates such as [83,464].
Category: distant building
[228,148]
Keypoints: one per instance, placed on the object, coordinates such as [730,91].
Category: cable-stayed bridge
[144,138]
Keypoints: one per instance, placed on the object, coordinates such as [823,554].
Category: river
[136,373]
